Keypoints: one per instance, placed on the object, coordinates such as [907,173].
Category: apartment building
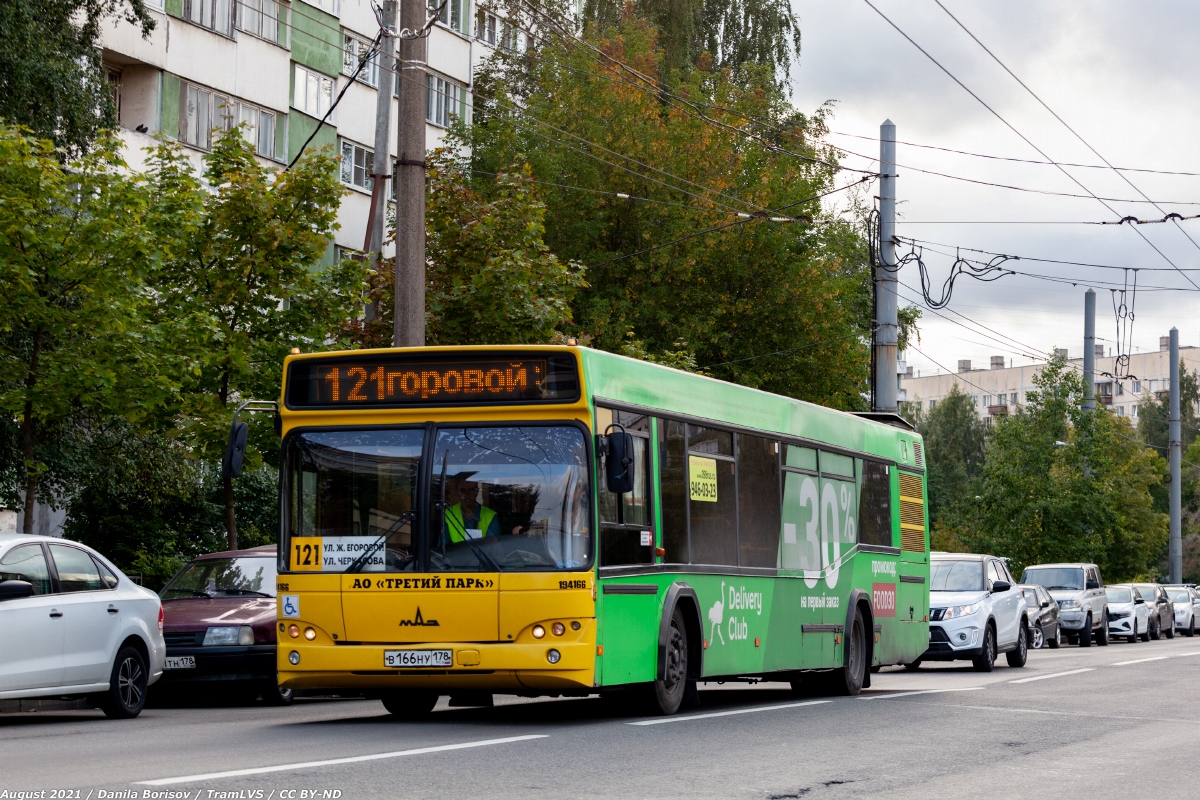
[1002,389]
[277,66]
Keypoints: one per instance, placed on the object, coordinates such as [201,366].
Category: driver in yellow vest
[466,519]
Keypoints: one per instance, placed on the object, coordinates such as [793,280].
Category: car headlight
[960,611]
[227,636]
[1068,604]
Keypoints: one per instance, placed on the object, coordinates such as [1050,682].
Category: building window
[313,92]
[450,15]
[260,18]
[1120,388]
[487,27]
[1137,387]
[1133,411]
[1012,399]
[202,111]
[328,6]
[357,166]
[443,101]
[932,405]
[987,399]
[510,37]
[216,15]
[1120,411]
[353,52]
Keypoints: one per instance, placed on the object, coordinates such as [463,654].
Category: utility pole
[383,134]
[409,319]
[887,327]
[1174,445]
[1089,351]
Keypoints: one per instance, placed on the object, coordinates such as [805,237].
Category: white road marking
[1138,661]
[236,773]
[1193,653]
[690,717]
[1052,675]
[922,691]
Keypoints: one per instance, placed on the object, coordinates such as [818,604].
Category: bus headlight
[538,631]
[558,629]
[293,658]
[310,634]
[553,656]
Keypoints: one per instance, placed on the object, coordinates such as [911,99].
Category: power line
[1034,258]
[1020,160]
[1023,136]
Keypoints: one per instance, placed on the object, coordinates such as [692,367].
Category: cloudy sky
[1123,75]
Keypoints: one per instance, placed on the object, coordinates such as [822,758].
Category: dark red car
[219,624]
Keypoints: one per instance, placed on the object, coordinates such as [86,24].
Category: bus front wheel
[668,691]
[409,705]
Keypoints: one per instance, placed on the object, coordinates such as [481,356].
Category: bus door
[629,605]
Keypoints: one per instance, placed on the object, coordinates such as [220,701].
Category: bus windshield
[491,499]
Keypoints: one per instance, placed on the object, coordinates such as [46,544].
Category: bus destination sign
[398,381]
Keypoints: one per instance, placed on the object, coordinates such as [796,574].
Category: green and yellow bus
[549,520]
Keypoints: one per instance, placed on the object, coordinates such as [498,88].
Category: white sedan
[1187,606]
[72,625]
[1128,613]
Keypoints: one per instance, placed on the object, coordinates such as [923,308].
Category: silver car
[1079,592]
[1187,606]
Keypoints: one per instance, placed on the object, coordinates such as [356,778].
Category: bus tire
[667,692]
[409,705]
[848,679]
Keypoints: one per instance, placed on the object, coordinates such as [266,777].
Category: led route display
[408,381]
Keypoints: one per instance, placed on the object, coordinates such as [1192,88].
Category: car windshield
[223,577]
[1148,591]
[1055,578]
[1119,594]
[490,499]
[1179,595]
[956,576]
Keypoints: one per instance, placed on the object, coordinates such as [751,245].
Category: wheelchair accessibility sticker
[291,605]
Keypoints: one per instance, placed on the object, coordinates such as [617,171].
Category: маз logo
[419,621]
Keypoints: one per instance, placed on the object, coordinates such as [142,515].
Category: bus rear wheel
[409,705]
[849,678]
[667,693]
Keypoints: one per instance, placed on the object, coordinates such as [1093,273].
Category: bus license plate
[416,658]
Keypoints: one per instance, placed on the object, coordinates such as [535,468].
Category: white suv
[975,612]
[71,625]
[1082,602]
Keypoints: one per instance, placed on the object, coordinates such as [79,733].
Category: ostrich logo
[716,615]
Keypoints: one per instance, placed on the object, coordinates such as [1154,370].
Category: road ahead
[1118,721]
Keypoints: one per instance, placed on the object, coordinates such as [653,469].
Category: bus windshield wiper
[379,543]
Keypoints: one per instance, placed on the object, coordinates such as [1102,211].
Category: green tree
[76,333]
[1154,413]
[1064,484]
[244,281]
[779,306]
[51,77]
[954,451]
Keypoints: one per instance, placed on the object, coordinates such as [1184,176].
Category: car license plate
[416,658]
[181,662]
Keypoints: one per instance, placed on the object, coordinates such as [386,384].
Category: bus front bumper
[496,666]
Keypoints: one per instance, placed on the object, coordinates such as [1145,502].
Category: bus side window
[673,484]
[625,518]
[875,505]
[758,501]
[712,495]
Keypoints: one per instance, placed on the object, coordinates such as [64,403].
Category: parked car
[1044,630]
[1186,601]
[975,612]
[72,625]
[1162,611]
[1128,613]
[1079,592]
[221,624]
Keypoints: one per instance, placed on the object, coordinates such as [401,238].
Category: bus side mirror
[235,451]
[617,448]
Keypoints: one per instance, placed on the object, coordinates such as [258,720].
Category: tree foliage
[1063,484]
[76,326]
[52,80]
[779,306]
[240,273]
[954,451]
